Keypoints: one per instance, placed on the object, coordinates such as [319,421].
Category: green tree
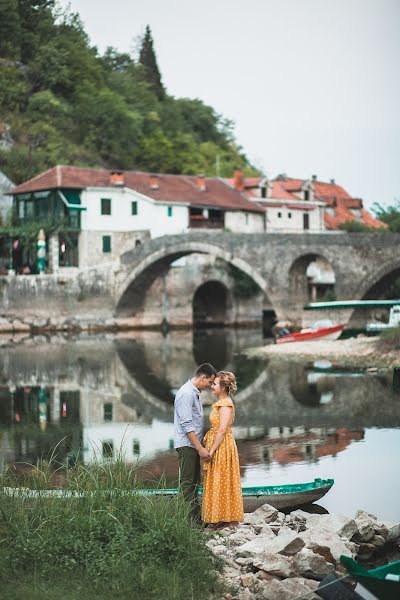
[389,215]
[148,60]
[10,29]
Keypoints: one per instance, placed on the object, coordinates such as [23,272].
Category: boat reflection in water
[96,397]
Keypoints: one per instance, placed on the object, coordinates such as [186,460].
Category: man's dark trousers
[189,478]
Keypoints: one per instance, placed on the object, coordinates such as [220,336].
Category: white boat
[394,321]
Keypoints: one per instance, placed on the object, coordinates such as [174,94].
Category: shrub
[105,542]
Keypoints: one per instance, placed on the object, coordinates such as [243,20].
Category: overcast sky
[313,86]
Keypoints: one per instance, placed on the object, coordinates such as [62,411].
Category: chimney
[153,182]
[314,178]
[332,181]
[117,178]
[201,182]
[238,180]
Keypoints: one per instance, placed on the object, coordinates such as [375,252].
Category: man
[188,433]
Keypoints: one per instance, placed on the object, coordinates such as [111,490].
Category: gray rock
[241,537]
[248,579]
[289,589]
[288,543]
[246,595]
[366,551]
[219,550]
[394,534]
[339,524]
[327,543]
[365,526]
[312,565]
[243,562]
[299,515]
[275,564]
[361,514]
[260,543]
[378,541]
[267,512]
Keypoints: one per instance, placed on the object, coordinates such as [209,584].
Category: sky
[313,86]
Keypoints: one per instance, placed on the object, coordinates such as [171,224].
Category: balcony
[204,222]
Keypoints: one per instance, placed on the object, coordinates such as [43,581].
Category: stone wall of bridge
[117,295]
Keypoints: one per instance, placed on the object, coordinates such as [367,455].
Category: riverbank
[279,557]
[361,352]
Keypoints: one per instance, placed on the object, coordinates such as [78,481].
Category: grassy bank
[104,545]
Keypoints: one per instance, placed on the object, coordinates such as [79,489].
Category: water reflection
[94,397]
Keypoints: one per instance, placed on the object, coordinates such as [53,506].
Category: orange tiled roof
[333,195]
[171,188]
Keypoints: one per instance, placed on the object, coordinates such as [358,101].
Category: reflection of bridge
[277,263]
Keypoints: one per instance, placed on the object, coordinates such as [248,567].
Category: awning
[71,199]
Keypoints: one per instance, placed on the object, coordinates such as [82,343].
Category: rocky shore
[274,556]
[361,351]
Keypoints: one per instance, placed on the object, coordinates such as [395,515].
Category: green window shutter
[106,206]
[134,208]
[106,243]
[170,211]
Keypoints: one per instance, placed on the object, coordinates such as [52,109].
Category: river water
[92,397]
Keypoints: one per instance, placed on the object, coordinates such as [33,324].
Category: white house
[109,212]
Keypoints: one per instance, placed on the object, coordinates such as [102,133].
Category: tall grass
[103,544]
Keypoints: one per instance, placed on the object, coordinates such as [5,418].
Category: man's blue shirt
[188,415]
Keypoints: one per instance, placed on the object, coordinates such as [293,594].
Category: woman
[222,503]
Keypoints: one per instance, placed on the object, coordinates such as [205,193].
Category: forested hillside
[62,102]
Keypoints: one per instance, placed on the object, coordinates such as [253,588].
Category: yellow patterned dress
[222,491]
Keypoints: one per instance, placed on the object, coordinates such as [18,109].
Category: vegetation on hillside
[61,102]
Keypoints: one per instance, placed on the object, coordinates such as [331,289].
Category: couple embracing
[222,502]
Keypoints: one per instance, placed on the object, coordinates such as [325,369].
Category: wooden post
[396,379]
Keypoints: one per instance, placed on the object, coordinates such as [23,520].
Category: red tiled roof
[344,214]
[172,188]
[278,190]
[330,189]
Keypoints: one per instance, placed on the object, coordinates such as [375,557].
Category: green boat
[279,496]
[383,582]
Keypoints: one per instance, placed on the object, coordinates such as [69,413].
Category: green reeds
[103,544]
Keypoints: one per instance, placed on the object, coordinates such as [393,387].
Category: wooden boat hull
[308,335]
[279,496]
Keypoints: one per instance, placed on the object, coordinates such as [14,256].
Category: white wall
[240,222]
[152,216]
[295,223]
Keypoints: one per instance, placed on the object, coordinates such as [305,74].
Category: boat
[394,321]
[278,496]
[383,582]
[320,330]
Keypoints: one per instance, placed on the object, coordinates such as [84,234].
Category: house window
[108,411]
[279,215]
[136,447]
[306,194]
[106,206]
[134,208]
[247,218]
[306,221]
[106,243]
[169,211]
[263,192]
[289,215]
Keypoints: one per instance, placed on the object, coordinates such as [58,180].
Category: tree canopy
[389,215]
[61,102]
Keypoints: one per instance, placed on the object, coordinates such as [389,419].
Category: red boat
[321,330]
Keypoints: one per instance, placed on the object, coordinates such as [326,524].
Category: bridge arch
[375,287]
[131,292]
[311,278]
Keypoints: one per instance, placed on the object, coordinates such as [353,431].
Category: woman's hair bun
[227,381]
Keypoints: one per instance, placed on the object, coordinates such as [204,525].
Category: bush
[390,339]
[107,542]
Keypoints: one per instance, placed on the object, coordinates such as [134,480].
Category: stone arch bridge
[364,265]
